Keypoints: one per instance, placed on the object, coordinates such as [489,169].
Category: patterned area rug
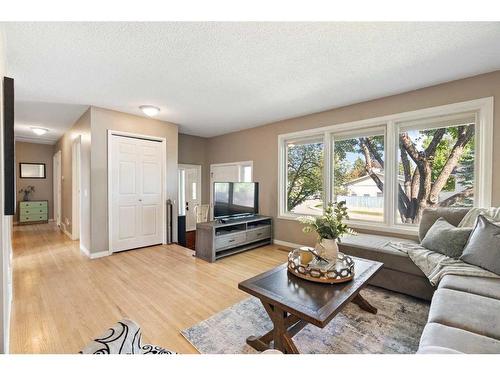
[396,328]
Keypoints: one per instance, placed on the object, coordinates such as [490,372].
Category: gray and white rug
[396,328]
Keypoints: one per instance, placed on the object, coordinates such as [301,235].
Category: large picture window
[389,169]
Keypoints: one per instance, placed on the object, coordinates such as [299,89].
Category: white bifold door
[137,216]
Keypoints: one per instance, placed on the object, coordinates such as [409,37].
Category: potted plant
[329,227]
[27,191]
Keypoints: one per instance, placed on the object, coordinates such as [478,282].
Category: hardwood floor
[62,299]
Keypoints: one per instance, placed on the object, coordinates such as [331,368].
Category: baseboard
[84,251]
[287,244]
[90,255]
[99,254]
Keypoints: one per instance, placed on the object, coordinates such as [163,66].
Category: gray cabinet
[216,240]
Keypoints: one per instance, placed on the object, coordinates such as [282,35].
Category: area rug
[396,328]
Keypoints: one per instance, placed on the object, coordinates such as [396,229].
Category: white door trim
[163,181]
[198,180]
[57,186]
[76,182]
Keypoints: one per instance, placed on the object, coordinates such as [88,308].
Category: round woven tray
[340,271]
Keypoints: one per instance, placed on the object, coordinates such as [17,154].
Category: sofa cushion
[377,248]
[483,286]
[452,215]
[483,247]
[446,238]
[437,350]
[466,311]
[439,335]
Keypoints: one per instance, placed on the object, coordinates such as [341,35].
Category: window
[358,174]
[246,173]
[435,166]
[389,169]
[304,176]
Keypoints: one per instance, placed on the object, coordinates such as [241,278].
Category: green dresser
[33,212]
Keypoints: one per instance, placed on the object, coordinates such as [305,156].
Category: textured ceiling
[214,78]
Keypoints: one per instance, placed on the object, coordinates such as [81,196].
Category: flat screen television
[233,199]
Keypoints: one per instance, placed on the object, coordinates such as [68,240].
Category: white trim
[287,244]
[90,255]
[84,250]
[57,186]
[164,190]
[199,182]
[99,254]
[392,123]
[76,175]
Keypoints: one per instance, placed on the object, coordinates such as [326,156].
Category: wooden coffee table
[292,302]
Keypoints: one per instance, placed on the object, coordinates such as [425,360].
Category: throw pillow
[446,239]
[483,247]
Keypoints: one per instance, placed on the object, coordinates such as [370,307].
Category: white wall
[5,233]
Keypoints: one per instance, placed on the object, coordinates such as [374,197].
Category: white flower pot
[328,249]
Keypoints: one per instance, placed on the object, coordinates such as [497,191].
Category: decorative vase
[26,197]
[328,248]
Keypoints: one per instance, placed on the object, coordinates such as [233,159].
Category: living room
[251,188]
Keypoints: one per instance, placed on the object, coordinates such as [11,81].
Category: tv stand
[233,219]
[216,240]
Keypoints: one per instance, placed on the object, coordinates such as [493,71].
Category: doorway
[136,191]
[189,200]
[57,180]
[76,178]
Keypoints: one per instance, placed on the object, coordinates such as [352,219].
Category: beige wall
[193,150]
[35,153]
[65,145]
[261,145]
[102,120]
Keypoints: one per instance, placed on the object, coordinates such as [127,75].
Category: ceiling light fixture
[39,131]
[150,110]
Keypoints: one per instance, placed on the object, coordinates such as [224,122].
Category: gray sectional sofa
[464,314]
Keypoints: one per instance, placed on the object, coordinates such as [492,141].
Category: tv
[235,199]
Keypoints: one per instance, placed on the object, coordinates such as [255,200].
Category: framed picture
[31,170]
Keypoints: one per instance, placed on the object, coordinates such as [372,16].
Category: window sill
[376,227]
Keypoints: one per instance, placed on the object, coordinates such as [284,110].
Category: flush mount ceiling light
[39,131]
[150,110]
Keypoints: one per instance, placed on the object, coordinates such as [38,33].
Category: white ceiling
[214,78]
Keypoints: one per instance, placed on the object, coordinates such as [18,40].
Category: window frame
[483,110]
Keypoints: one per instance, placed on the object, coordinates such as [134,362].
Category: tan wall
[102,120]
[65,145]
[193,150]
[35,153]
[261,144]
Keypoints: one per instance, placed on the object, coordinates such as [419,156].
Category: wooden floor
[62,299]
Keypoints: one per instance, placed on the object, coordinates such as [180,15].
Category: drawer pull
[230,241]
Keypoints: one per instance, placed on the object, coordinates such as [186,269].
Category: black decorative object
[8,146]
